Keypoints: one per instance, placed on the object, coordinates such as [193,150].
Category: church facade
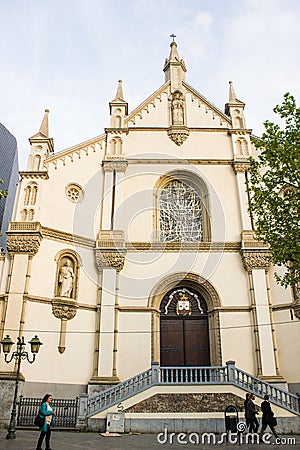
[137,246]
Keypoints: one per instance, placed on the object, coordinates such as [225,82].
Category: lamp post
[18,355]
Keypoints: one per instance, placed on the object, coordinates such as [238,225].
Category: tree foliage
[2,193]
[274,190]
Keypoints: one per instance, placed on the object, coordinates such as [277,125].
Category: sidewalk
[62,440]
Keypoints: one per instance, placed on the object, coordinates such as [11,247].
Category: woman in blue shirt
[46,412]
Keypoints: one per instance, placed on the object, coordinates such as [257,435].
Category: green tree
[2,195]
[274,190]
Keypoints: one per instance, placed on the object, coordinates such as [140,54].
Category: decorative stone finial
[44,128]
[119,95]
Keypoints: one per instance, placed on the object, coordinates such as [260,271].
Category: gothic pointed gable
[153,111]
[208,115]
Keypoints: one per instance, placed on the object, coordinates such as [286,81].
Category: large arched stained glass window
[180,213]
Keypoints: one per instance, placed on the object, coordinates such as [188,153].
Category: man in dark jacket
[267,417]
[251,415]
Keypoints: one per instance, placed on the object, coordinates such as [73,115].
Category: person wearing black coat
[251,415]
[268,418]
[245,406]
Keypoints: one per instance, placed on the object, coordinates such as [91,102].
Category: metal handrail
[210,375]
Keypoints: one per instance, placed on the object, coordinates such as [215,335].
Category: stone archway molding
[210,295]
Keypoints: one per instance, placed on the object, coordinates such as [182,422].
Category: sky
[68,55]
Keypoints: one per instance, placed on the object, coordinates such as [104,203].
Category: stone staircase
[214,377]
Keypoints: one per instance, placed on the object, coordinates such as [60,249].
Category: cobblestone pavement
[63,440]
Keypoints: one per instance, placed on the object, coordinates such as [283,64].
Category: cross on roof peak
[173,36]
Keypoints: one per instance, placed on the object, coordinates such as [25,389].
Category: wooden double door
[184,336]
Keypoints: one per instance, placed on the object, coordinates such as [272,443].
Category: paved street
[62,440]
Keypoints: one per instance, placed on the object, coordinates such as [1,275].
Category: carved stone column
[23,242]
[257,260]
[240,168]
[110,255]
[114,169]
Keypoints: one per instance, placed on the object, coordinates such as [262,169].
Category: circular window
[74,193]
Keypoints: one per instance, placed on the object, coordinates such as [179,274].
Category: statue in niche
[66,279]
[177,108]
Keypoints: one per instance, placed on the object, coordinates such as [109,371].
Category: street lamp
[18,355]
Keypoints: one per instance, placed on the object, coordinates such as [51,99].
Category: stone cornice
[145,309]
[116,130]
[68,155]
[240,131]
[73,239]
[34,175]
[50,301]
[282,306]
[249,241]
[119,165]
[183,246]
[192,129]
[35,228]
[218,162]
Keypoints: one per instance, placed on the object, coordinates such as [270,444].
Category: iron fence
[66,411]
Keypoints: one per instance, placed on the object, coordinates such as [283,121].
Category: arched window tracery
[180,212]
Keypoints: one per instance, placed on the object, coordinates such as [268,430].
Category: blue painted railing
[211,375]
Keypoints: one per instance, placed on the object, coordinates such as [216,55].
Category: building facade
[9,174]
[137,247]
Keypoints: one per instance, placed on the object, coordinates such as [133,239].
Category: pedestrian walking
[245,407]
[46,412]
[251,414]
[268,418]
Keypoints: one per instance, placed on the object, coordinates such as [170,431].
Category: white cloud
[204,19]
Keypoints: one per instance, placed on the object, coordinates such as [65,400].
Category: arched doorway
[184,333]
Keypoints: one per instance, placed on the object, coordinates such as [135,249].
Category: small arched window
[24,215]
[30,194]
[30,215]
[118,121]
[37,163]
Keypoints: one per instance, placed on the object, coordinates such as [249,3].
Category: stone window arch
[68,264]
[30,215]
[24,215]
[116,146]
[37,163]
[181,208]
[118,121]
[30,194]
[242,147]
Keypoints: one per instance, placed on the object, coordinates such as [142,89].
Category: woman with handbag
[268,418]
[46,412]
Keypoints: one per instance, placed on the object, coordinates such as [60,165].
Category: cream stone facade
[143,230]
